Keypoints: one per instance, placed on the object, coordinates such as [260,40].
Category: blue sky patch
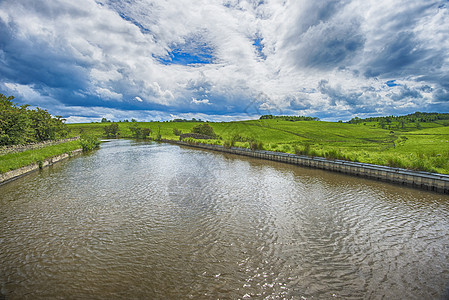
[391,83]
[193,51]
[259,47]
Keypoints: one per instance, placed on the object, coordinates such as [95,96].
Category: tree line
[417,117]
[22,125]
[289,118]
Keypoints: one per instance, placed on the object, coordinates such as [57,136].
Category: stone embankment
[14,174]
[22,148]
[423,180]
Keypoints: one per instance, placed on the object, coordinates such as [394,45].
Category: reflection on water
[146,220]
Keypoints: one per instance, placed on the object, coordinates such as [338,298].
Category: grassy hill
[424,147]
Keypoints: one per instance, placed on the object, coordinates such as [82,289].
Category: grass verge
[13,161]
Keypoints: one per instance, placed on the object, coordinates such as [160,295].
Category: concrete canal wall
[423,180]
[14,174]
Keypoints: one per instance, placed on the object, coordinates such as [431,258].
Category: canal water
[138,220]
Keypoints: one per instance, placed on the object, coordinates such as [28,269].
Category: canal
[143,220]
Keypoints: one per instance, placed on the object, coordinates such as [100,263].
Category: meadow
[424,147]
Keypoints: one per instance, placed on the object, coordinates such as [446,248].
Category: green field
[425,148]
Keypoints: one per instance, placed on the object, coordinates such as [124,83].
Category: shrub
[146,132]
[255,145]
[204,129]
[177,132]
[89,142]
[111,130]
[140,132]
[159,135]
[238,138]
[228,144]
[305,150]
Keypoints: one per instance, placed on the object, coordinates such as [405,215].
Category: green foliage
[177,132]
[185,120]
[159,135]
[304,150]
[111,131]
[20,125]
[139,132]
[255,145]
[228,144]
[289,118]
[204,129]
[404,122]
[45,126]
[89,142]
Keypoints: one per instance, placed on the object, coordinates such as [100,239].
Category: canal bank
[14,174]
[423,180]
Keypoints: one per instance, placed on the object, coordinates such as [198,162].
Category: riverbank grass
[13,161]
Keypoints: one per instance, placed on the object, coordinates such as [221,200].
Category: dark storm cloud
[401,55]
[337,94]
[406,92]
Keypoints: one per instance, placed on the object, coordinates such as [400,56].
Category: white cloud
[107,94]
[113,51]
[202,101]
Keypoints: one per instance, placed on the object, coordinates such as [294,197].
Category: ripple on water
[139,220]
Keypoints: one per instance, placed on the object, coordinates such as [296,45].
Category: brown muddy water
[138,220]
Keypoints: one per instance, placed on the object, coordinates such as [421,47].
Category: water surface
[138,220]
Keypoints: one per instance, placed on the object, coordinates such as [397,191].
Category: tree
[140,132]
[14,123]
[19,125]
[177,132]
[44,126]
[111,130]
[205,129]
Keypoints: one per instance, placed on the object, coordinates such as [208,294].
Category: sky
[223,60]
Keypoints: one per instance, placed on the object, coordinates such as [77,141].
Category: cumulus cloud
[202,101]
[227,58]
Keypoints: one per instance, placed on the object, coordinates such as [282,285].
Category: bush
[111,130]
[89,142]
[305,150]
[204,129]
[177,132]
[140,132]
[255,145]
[228,144]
